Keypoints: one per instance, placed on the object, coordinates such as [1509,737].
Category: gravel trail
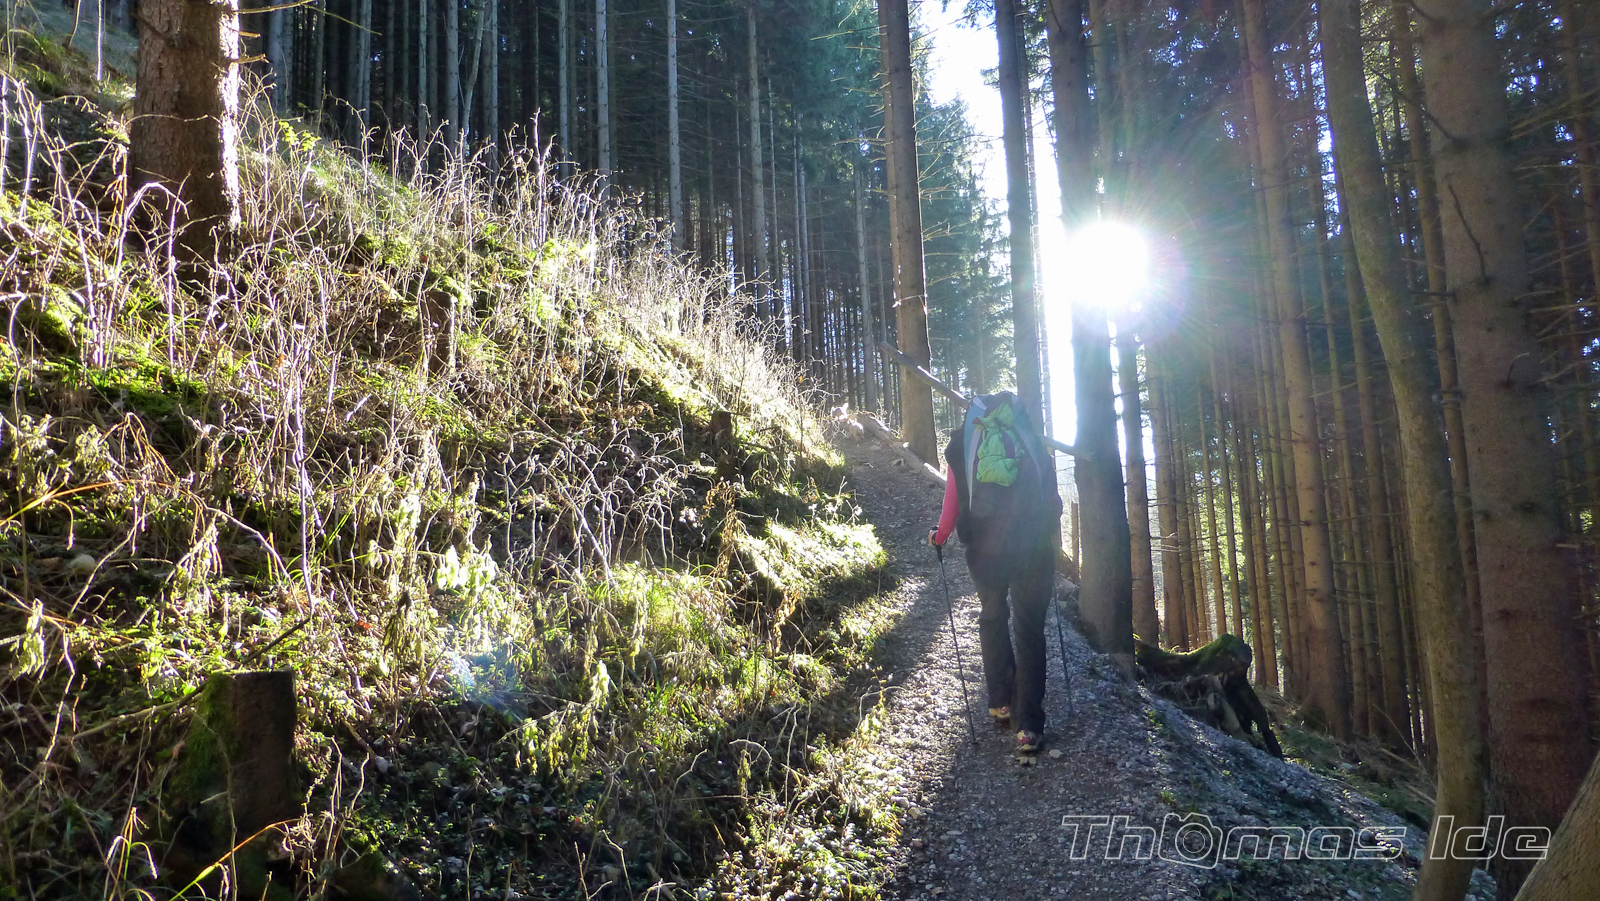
[980,823]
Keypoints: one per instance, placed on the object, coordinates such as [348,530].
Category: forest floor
[980,822]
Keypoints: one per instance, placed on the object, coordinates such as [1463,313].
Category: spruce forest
[486,448]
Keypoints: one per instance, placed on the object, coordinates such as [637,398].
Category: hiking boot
[1028,742]
[1002,715]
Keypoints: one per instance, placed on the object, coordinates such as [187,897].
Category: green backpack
[1002,448]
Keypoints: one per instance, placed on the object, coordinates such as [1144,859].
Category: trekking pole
[1066,670]
[944,580]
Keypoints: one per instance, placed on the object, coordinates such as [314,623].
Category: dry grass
[436,439]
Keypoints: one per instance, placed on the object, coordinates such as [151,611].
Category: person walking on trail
[1001,499]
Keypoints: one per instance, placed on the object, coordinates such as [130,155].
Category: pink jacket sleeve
[947,515]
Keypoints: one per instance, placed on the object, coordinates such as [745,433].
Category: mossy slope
[440,443]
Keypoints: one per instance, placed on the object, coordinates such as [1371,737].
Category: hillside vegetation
[443,445]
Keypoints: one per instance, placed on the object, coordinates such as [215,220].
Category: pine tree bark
[1582,125]
[758,232]
[1106,569]
[1440,592]
[1106,589]
[317,64]
[870,345]
[1364,673]
[1189,584]
[491,86]
[602,91]
[1166,511]
[1537,679]
[1571,868]
[452,73]
[674,138]
[1146,623]
[1327,688]
[185,130]
[1263,642]
[1192,555]
[361,76]
[905,210]
[393,35]
[564,85]
[1433,255]
[1394,722]
[1221,608]
[424,99]
[1224,470]
[1019,207]
[1280,546]
[280,30]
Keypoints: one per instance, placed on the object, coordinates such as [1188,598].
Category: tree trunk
[870,344]
[280,31]
[317,64]
[1364,674]
[602,91]
[1277,507]
[1193,563]
[773,260]
[674,139]
[905,211]
[491,86]
[1019,208]
[564,79]
[184,134]
[758,231]
[1571,868]
[394,33]
[452,73]
[1395,710]
[1166,512]
[1146,623]
[1449,385]
[237,778]
[1226,473]
[1440,592]
[1579,120]
[1106,570]
[424,66]
[1255,549]
[1221,611]
[361,76]
[475,71]
[1539,719]
[1327,690]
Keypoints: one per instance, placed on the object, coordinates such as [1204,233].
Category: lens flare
[1106,264]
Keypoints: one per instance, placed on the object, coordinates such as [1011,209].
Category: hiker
[1001,498]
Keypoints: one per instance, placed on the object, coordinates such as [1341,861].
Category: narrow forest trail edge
[979,824]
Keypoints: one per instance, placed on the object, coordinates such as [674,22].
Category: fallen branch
[932,381]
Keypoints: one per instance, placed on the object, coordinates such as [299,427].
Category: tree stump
[235,784]
[724,445]
[1212,685]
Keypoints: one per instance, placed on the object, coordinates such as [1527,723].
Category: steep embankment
[979,823]
[450,447]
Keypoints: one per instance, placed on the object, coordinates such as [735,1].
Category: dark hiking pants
[1015,589]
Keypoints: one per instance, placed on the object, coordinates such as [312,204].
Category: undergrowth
[439,442]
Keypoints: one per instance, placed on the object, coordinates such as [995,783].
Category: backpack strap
[1029,435]
[976,411]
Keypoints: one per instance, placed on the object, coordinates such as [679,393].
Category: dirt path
[981,825]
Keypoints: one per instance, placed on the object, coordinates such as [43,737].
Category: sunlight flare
[1108,264]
